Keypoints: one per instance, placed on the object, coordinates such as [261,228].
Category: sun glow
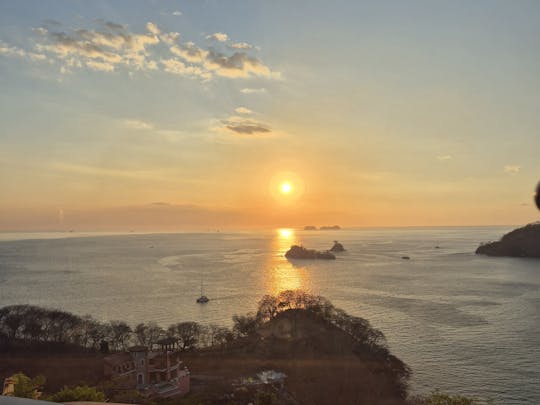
[285,233]
[286,188]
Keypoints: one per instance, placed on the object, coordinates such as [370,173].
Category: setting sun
[286,188]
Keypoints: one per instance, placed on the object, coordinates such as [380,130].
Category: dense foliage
[79,393]
[32,325]
[26,387]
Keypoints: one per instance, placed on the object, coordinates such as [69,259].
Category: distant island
[521,242]
[300,252]
[322,228]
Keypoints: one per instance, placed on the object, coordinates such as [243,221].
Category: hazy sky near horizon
[191,114]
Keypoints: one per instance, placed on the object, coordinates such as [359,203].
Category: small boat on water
[203,299]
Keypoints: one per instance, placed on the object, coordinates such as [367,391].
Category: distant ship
[203,299]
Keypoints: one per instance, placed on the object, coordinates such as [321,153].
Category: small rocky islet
[302,253]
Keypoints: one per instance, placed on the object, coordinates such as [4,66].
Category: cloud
[177,13]
[137,124]
[240,45]
[115,46]
[190,52]
[243,126]
[218,36]
[243,110]
[15,51]
[111,47]
[444,157]
[114,26]
[512,169]
[151,27]
[100,66]
[178,67]
[248,90]
[169,37]
[239,64]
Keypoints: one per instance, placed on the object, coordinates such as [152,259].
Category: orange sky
[194,119]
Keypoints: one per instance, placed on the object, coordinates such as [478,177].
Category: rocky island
[521,242]
[330,228]
[338,247]
[300,252]
[310,228]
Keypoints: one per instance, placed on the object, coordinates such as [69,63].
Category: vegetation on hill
[327,355]
[521,242]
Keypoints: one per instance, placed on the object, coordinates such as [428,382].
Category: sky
[177,115]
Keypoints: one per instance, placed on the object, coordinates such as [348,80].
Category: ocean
[465,324]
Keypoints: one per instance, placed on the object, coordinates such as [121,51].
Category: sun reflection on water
[281,274]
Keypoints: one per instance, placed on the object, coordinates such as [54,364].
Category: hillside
[323,363]
[521,242]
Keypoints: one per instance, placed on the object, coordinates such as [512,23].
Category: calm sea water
[464,323]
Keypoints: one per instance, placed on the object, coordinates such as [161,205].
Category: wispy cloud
[100,66]
[512,169]
[239,64]
[248,90]
[177,13]
[190,52]
[111,47]
[444,157]
[178,67]
[243,126]
[218,36]
[151,27]
[137,124]
[143,175]
[15,51]
[243,110]
[240,45]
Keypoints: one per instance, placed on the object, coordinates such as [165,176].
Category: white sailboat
[203,299]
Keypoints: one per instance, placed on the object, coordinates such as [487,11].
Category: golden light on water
[281,274]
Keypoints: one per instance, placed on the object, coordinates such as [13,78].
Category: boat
[203,299]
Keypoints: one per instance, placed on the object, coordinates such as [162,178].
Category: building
[9,386]
[158,373]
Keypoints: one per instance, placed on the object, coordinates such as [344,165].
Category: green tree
[79,393]
[265,398]
[26,387]
[187,334]
[245,325]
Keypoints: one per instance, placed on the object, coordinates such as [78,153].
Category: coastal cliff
[521,242]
